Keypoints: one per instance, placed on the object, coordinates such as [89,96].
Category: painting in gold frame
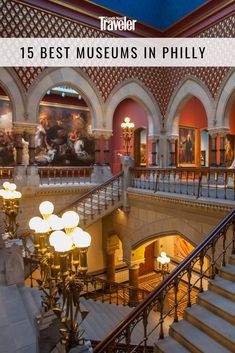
[187,151]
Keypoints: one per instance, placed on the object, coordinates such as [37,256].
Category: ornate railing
[98,199]
[64,175]
[112,292]
[217,183]
[218,245]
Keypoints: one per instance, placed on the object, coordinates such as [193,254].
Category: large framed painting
[7,150]
[229,150]
[64,136]
[187,150]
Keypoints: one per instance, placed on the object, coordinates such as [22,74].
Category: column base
[19,175]
[33,179]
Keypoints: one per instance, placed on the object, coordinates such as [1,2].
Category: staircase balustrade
[217,183]
[98,199]
[6,174]
[217,246]
[64,175]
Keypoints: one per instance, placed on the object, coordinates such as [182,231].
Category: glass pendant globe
[55,236]
[35,222]
[76,235]
[70,219]
[55,222]
[63,243]
[46,208]
[84,240]
[6,185]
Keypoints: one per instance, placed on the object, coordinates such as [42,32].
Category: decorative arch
[169,226]
[225,100]
[135,90]
[188,88]
[74,78]
[11,87]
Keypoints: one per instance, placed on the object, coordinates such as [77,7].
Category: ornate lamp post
[10,206]
[163,261]
[127,132]
[62,249]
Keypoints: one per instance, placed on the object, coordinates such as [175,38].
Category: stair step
[223,287]
[195,340]
[218,304]
[211,324]
[169,345]
[228,272]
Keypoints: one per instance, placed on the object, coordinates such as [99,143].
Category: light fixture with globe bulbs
[127,132]
[61,247]
[10,205]
[163,261]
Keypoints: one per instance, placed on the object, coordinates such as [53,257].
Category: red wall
[232,119]
[138,116]
[193,114]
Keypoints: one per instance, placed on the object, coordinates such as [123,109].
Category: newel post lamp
[163,261]
[10,205]
[127,132]
[62,248]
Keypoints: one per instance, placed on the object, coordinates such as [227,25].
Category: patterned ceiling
[157,13]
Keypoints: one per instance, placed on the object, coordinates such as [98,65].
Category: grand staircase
[99,201]
[209,325]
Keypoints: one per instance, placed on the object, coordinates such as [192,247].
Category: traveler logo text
[116,24]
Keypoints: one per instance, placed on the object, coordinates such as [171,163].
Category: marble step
[194,339]
[219,305]
[214,326]
[228,272]
[223,287]
[169,345]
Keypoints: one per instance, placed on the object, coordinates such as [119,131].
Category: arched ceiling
[157,13]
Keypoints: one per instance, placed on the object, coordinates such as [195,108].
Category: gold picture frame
[187,146]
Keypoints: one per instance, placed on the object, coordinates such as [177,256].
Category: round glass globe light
[70,219]
[35,222]
[76,236]
[46,207]
[55,222]
[6,185]
[63,243]
[55,236]
[84,240]
[12,187]
[163,254]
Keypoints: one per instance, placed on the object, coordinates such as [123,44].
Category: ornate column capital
[100,132]
[223,132]
[172,138]
[214,132]
[154,138]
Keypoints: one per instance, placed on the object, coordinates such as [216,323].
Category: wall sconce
[127,132]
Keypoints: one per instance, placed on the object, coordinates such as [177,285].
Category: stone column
[222,135]
[134,282]
[18,146]
[19,169]
[172,154]
[31,132]
[127,164]
[213,149]
[154,140]
[97,149]
[110,266]
[106,149]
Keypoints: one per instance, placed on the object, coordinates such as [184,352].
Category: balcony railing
[216,183]
[64,175]
[218,245]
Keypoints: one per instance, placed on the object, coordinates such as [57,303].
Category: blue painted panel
[157,13]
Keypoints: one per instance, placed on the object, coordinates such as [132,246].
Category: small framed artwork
[187,146]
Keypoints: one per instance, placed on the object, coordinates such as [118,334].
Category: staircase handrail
[92,191]
[159,290]
[80,199]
